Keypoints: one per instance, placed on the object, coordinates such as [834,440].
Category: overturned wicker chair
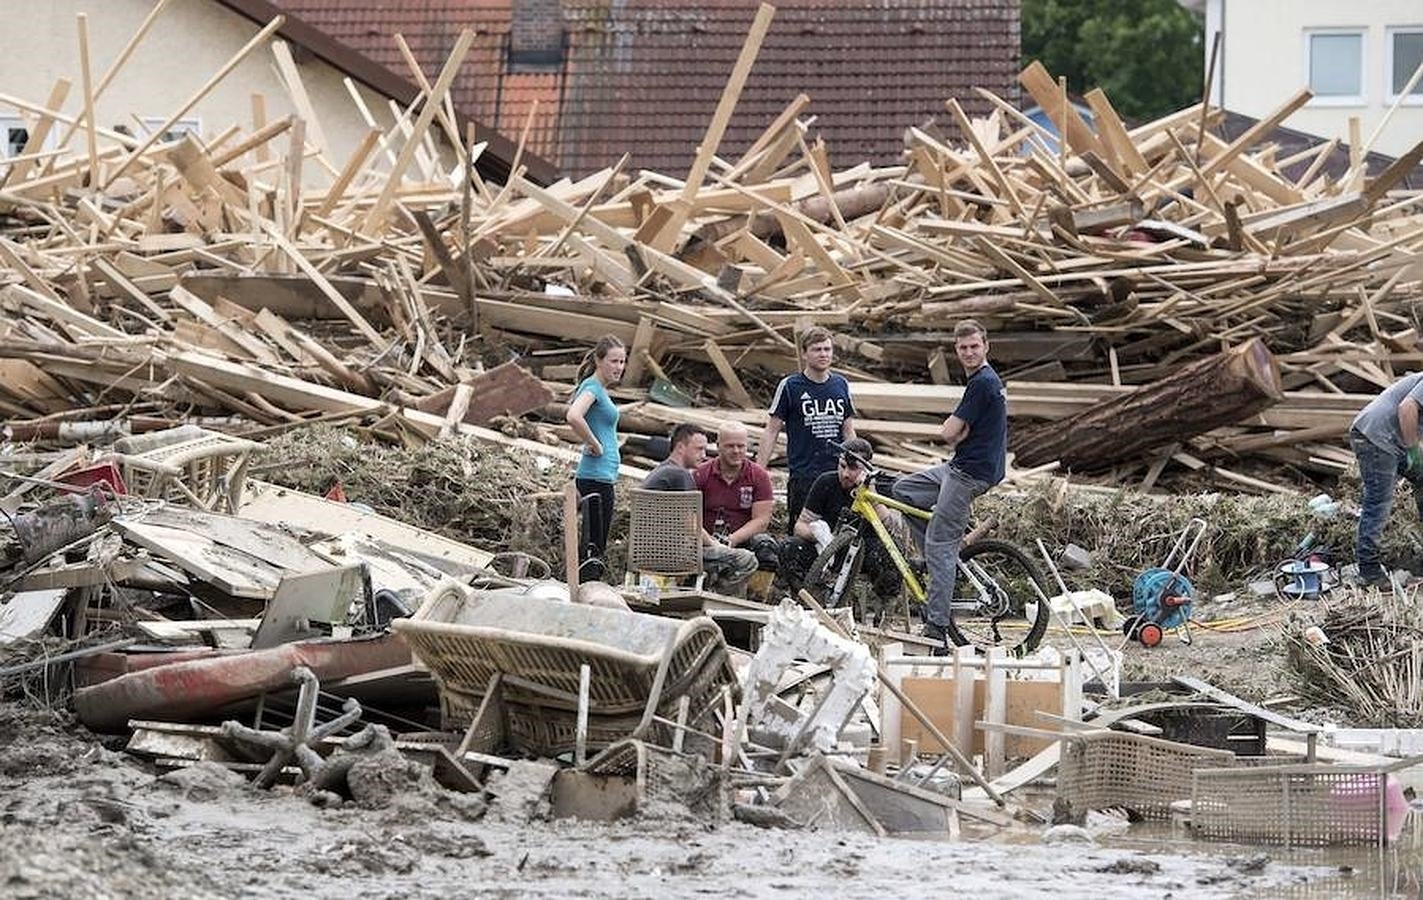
[1103,769]
[507,664]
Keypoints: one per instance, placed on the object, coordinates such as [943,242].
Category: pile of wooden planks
[207,277]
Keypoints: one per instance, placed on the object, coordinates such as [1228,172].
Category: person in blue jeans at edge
[594,419]
[978,432]
[814,407]
[1385,439]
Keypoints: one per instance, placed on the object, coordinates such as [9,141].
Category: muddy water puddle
[1340,871]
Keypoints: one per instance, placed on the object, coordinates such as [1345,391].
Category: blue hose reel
[1161,596]
[1160,599]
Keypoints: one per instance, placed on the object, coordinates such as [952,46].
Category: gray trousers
[950,492]
[728,568]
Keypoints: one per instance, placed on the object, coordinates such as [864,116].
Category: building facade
[1357,58]
[188,42]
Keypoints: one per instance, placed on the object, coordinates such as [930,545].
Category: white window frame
[190,124]
[1414,99]
[1360,99]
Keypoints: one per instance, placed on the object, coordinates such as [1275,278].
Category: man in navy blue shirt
[978,432]
[814,408]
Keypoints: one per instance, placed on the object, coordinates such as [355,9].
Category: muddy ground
[79,820]
[1249,664]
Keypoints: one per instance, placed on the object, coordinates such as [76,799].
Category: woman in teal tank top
[594,418]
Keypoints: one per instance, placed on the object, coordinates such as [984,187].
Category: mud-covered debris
[521,794]
[204,782]
[372,854]
[1130,865]
[1067,834]
[39,742]
[1249,865]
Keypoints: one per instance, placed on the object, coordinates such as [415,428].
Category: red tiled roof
[643,76]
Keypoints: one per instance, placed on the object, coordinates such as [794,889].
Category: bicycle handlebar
[844,451]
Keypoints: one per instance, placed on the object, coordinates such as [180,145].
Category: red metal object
[104,666]
[101,473]
[183,691]
[1150,635]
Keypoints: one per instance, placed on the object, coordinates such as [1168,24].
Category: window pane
[1407,54]
[1335,62]
[15,139]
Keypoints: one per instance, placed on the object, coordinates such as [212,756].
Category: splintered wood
[211,276]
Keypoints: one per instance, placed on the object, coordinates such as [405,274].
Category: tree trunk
[852,203]
[1207,394]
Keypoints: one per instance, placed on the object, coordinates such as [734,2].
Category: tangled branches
[1372,664]
[497,498]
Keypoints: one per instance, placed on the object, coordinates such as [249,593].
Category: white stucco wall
[1265,63]
[189,42]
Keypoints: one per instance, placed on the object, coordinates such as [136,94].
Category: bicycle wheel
[995,603]
[831,577]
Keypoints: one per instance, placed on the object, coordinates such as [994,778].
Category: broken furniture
[630,774]
[185,464]
[237,556]
[958,691]
[829,795]
[302,599]
[665,535]
[1299,805]
[295,743]
[794,634]
[175,745]
[508,665]
[1105,769]
[1310,730]
[26,614]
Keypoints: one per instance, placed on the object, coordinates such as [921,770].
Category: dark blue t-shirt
[814,413]
[985,408]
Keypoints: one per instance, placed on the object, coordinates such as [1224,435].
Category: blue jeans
[1379,470]
[950,492]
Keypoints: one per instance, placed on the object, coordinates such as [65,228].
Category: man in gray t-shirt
[670,475]
[727,568]
[1384,437]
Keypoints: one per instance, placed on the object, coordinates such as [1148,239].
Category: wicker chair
[507,665]
[1102,769]
[665,533]
[186,464]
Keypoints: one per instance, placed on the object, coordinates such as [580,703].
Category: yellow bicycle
[999,593]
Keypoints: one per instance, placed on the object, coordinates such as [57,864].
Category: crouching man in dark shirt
[727,568]
[829,495]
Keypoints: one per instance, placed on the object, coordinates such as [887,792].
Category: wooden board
[507,389]
[936,697]
[276,505]
[28,613]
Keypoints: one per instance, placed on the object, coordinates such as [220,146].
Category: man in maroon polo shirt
[736,496]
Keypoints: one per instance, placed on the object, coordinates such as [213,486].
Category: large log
[1223,389]
[852,202]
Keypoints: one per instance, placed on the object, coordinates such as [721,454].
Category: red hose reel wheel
[1150,634]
